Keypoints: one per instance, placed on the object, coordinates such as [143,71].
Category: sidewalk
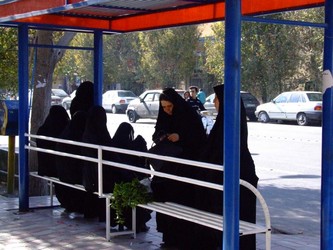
[53,228]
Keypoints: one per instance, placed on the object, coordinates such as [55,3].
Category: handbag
[166,148]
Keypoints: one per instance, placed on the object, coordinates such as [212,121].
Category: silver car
[304,107]
[146,106]
[249,100]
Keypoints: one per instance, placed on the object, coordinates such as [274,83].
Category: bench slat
[200,217]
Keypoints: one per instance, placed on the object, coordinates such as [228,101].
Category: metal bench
[168,208]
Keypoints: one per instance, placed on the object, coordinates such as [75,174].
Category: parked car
[55,100]
[117,100]
[146,105]
[66,102]
[59,92]
[250,103]
[303,107]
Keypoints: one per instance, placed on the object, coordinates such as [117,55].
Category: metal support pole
[23,116]
[98,67]
[232,124]
[11,164]
[326,239]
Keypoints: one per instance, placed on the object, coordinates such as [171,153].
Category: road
[288,164]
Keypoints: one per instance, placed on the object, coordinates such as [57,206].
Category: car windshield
[59,92]
[315,97]
[126,94]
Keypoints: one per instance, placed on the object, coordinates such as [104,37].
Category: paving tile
[53,228]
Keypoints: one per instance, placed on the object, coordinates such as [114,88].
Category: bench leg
[134,222]
[51,192]
[268,240]
[108,215]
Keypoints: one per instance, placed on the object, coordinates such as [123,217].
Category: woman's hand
[173,137]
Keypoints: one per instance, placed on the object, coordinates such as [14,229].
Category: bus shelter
[121,16]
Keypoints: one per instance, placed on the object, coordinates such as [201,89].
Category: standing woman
[178,123]
[211,200]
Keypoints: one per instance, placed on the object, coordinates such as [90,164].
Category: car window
[294,98]
[157,97]
[126,94]
[281,99]
[247,97]
[315,97]
[149,97]
[59,92]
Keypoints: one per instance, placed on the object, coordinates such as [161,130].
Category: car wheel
[263,117]
[132,116]
[114,109]
[302,120]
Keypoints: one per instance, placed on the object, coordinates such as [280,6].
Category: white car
[303,107]
[67,101]
[117,100]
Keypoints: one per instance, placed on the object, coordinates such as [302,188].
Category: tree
[8,62]
[275,57]
[122,57]
[168,56]
[46,61]
[76,65]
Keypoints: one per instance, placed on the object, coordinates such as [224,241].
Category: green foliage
[9,61]
[275,57]
[169,55]
[122,56]
[77,64]
[128,195]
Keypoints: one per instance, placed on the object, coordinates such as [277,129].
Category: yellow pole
[11,164]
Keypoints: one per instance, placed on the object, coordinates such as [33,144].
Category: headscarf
[96,131]
[183,121]
[53,126]
[84,98]
[55,122]
[124,135]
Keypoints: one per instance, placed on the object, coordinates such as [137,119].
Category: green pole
[11,164]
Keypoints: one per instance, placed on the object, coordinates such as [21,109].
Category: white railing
[104,163]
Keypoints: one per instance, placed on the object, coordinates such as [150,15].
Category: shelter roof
[132,15]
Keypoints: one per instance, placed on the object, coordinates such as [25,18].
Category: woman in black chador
[124,138]
[180,124]
[96,132]
[70,169]
[211,200]
[53,126]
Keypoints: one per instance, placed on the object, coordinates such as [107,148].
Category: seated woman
[96,132]
[124,138]
[70,169]
[53,126]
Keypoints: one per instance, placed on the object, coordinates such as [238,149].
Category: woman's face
[167,107]
[216,103]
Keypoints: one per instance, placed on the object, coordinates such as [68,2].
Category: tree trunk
[45,60]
